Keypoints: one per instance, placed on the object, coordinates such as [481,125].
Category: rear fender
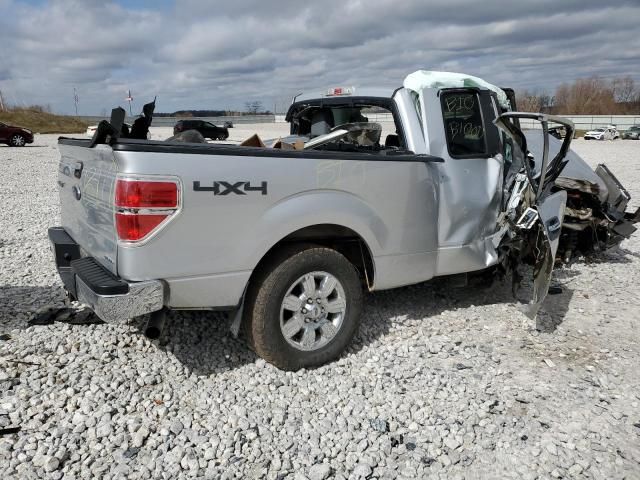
[319,207]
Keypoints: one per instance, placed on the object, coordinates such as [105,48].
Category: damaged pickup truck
[373,189]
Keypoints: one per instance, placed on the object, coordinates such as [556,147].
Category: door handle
[77,169]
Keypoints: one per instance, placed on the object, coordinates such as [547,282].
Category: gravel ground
[439,383]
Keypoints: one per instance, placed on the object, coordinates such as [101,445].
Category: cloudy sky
[218,54]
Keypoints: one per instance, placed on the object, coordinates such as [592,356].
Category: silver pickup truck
[373,189]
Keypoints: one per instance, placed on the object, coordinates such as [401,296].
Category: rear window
[464,128]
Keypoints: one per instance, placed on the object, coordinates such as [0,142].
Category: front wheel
[303,307]
[17,141]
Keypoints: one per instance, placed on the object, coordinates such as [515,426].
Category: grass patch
[38,120]
[579,133]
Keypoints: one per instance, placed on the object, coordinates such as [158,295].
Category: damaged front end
[533,213]
[595,216]
[555,208]
[594,224]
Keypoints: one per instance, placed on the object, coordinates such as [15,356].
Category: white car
[608,133]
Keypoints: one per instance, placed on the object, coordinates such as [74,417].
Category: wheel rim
[313,311]
[17,141]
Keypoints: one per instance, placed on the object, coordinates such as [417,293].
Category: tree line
[251,108]
[585,96]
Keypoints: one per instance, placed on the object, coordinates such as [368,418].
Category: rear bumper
[114,300]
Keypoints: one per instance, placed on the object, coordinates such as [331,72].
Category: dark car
[207,129]
[632,133]
[15,136]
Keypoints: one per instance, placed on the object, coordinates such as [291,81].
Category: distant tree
[586,96]
[528,101]
[534,101]
[624,90]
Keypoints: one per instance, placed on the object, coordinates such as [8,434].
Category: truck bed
[238,202]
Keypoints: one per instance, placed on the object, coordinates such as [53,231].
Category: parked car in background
[608,133]
[15,136]
[632,133]
[207,129]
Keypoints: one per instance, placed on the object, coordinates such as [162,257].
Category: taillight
[143,206]
[145,194]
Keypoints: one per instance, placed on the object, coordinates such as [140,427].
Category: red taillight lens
[142,206]
[143,194]
[134,227]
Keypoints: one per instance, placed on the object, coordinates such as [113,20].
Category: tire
[17,140]
[314,336]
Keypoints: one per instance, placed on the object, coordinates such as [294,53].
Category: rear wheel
[17,140]
[303,307]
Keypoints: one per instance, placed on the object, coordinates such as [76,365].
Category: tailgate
[86,181]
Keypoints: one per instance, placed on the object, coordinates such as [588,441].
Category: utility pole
[1,102]
[75,99]
[129,99]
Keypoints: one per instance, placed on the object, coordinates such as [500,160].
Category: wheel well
[337,237]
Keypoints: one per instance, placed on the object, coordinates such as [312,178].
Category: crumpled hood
[576,169]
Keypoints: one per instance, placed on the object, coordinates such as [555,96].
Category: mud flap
[550,216]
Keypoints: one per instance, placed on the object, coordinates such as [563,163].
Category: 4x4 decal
[225,188]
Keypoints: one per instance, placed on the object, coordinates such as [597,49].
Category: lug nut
[304,310]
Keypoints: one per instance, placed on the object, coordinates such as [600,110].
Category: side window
[463,124]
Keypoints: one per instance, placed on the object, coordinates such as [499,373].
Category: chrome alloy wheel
[18,141]
[312,311]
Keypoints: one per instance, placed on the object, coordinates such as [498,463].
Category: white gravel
[440,382]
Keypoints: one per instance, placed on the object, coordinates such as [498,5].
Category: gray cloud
[199,54]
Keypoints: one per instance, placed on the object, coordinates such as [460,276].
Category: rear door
[86,182]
